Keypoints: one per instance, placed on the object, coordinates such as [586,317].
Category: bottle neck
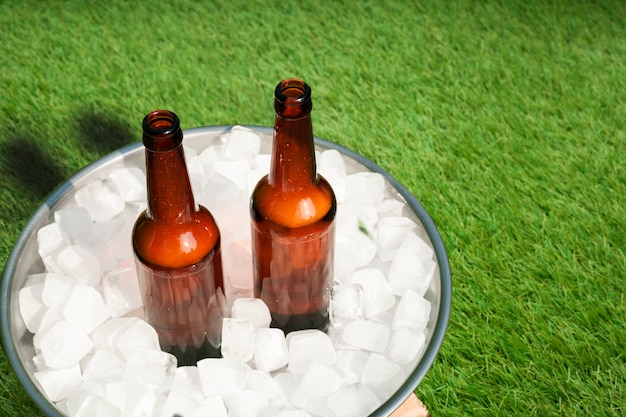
[293,154]
[170,197]
[293,151]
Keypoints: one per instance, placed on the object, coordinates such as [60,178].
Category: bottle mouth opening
[161,122]
[293,91]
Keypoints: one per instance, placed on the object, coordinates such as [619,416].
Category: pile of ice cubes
[96,356]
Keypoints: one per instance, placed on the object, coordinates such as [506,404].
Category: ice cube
[392,232]
[412,311]
[332,167]
[307,347]
[366,188]
[254,176]
[293,413]
[353,248]
[116,244]
[413,240]
[331,158]
[252,309]
[188,378]
[270,349]
[347,303]
[190,152]
[50,242]
[353,401]
[344,261]
[151,367]
[105,336]
[355,241]
[287,383]
[213,407]
[237,339]
[221,376]
[198,174]
[229,218]
[137,335]
[80,264]
[96,406]
[101,198]
[56,289]
[390,208]
[260,168]
[237,263]
[379,368]
[366,334]
[58,384]
[109,239]
[85,308]
[104,366]
[351,363]
[382,375]
[377,293]
[51,317]
[337,181]
[352,216]
[236,171]
[211,155]
[71,406]
[31,306]
[64,345]
[131,182]
[261,381]
[242,144]
[121,291]
[409,271]
[183,399]
[246,403]
[133,398]
[317,383]
[262,162]
[73,222]
[405,345]
[218,190]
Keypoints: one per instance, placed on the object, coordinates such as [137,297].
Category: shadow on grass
[29,167]
[32,165]
[103,132]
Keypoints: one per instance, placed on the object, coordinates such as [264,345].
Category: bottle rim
[292,92]
[161,122]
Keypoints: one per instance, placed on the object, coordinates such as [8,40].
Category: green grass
[506,119]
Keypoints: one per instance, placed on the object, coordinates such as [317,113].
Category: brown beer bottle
[177,250]
[293,210]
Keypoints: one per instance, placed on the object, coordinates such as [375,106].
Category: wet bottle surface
[293,211]
[177,250]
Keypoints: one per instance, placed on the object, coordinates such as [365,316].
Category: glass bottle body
[177,251]
[185,304]
[292,211]
[293,266]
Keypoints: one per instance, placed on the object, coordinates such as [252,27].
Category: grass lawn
[506,119]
